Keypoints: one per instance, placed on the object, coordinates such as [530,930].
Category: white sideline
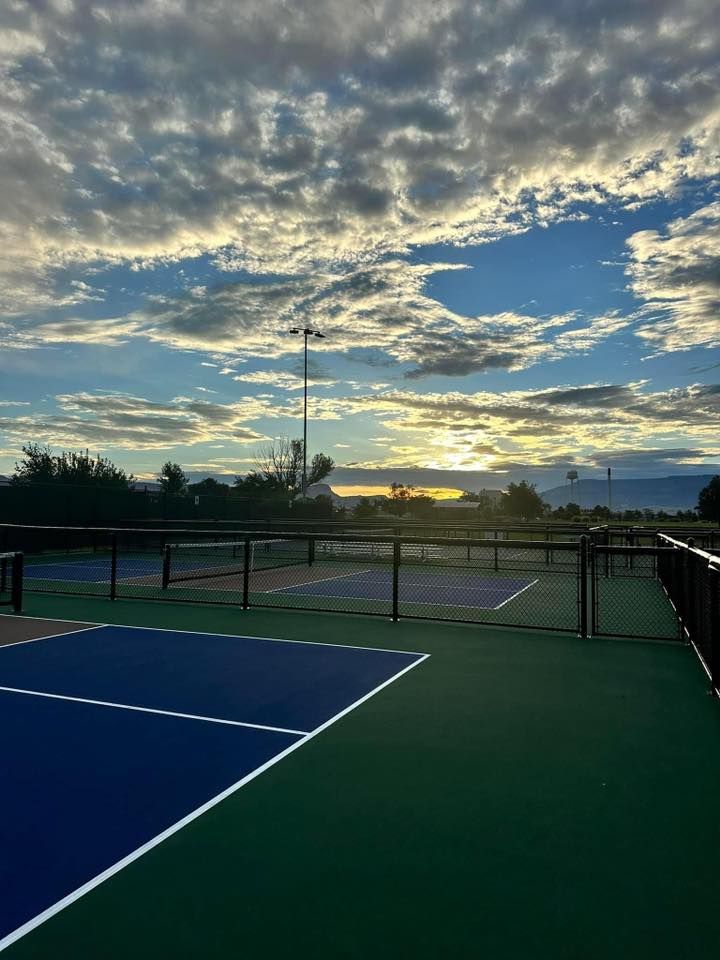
[200,633]
[199,811]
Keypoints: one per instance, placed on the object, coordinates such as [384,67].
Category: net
[366,551]
[211,560]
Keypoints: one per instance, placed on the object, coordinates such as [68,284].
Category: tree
[523,500]
[403,499]
[41,465]
[321,466]
[708,505]
[567,512]
[278,470]
[209,487]
[173,480]
[255,486]
[365,508]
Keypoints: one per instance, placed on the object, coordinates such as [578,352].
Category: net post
[311,550]
[3,573]
[113,567]
[166,567]
[396,579]
[495,549]
[548,538]
[583,573]
[17,582]
[246,574]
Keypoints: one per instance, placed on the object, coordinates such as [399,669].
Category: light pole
[306,332]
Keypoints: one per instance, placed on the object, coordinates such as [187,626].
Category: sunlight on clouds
[677,274]
[379,490]
[326,133]
[497,432]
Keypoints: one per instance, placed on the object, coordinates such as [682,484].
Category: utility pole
[306,332]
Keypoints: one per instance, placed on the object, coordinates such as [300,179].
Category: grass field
[520,795]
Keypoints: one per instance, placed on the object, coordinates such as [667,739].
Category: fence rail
[521,583]
[585,584]
[691,579]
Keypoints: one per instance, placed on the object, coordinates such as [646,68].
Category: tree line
[277,475]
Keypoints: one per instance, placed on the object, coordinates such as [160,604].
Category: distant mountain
[658,493]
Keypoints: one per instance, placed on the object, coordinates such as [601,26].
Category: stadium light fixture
[306,332]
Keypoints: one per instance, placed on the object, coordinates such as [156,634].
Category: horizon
[504,221]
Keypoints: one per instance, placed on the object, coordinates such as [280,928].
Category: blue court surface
[93,569]
[420,587]
[115,737]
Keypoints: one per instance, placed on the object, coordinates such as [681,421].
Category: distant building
[146,486]
[493,496]
[4,481]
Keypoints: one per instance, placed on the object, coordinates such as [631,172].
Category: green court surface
[519,795]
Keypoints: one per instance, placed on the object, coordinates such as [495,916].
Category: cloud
[630,426]
[382,306]
[118,420]
[590,425]
[328,132]
[677,275]
[283,380]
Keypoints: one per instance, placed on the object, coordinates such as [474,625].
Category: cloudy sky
[505,217]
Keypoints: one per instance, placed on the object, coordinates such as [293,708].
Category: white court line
[206,633]
[52,636]
[305,583]
[531,584]
[489,588]
[199,811]
[419,602]
[163,713]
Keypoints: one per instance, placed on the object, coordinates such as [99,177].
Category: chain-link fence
[627,597]
[610,589]
[691,579]
[527,583]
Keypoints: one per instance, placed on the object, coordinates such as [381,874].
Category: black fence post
[166,567]
[396,579]
[713,573]
[17,582]
[608,540]
[583,612]
[113,567]
[594,594]
[311,551]
[246,574]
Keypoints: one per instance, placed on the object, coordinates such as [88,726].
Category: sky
[503,216]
